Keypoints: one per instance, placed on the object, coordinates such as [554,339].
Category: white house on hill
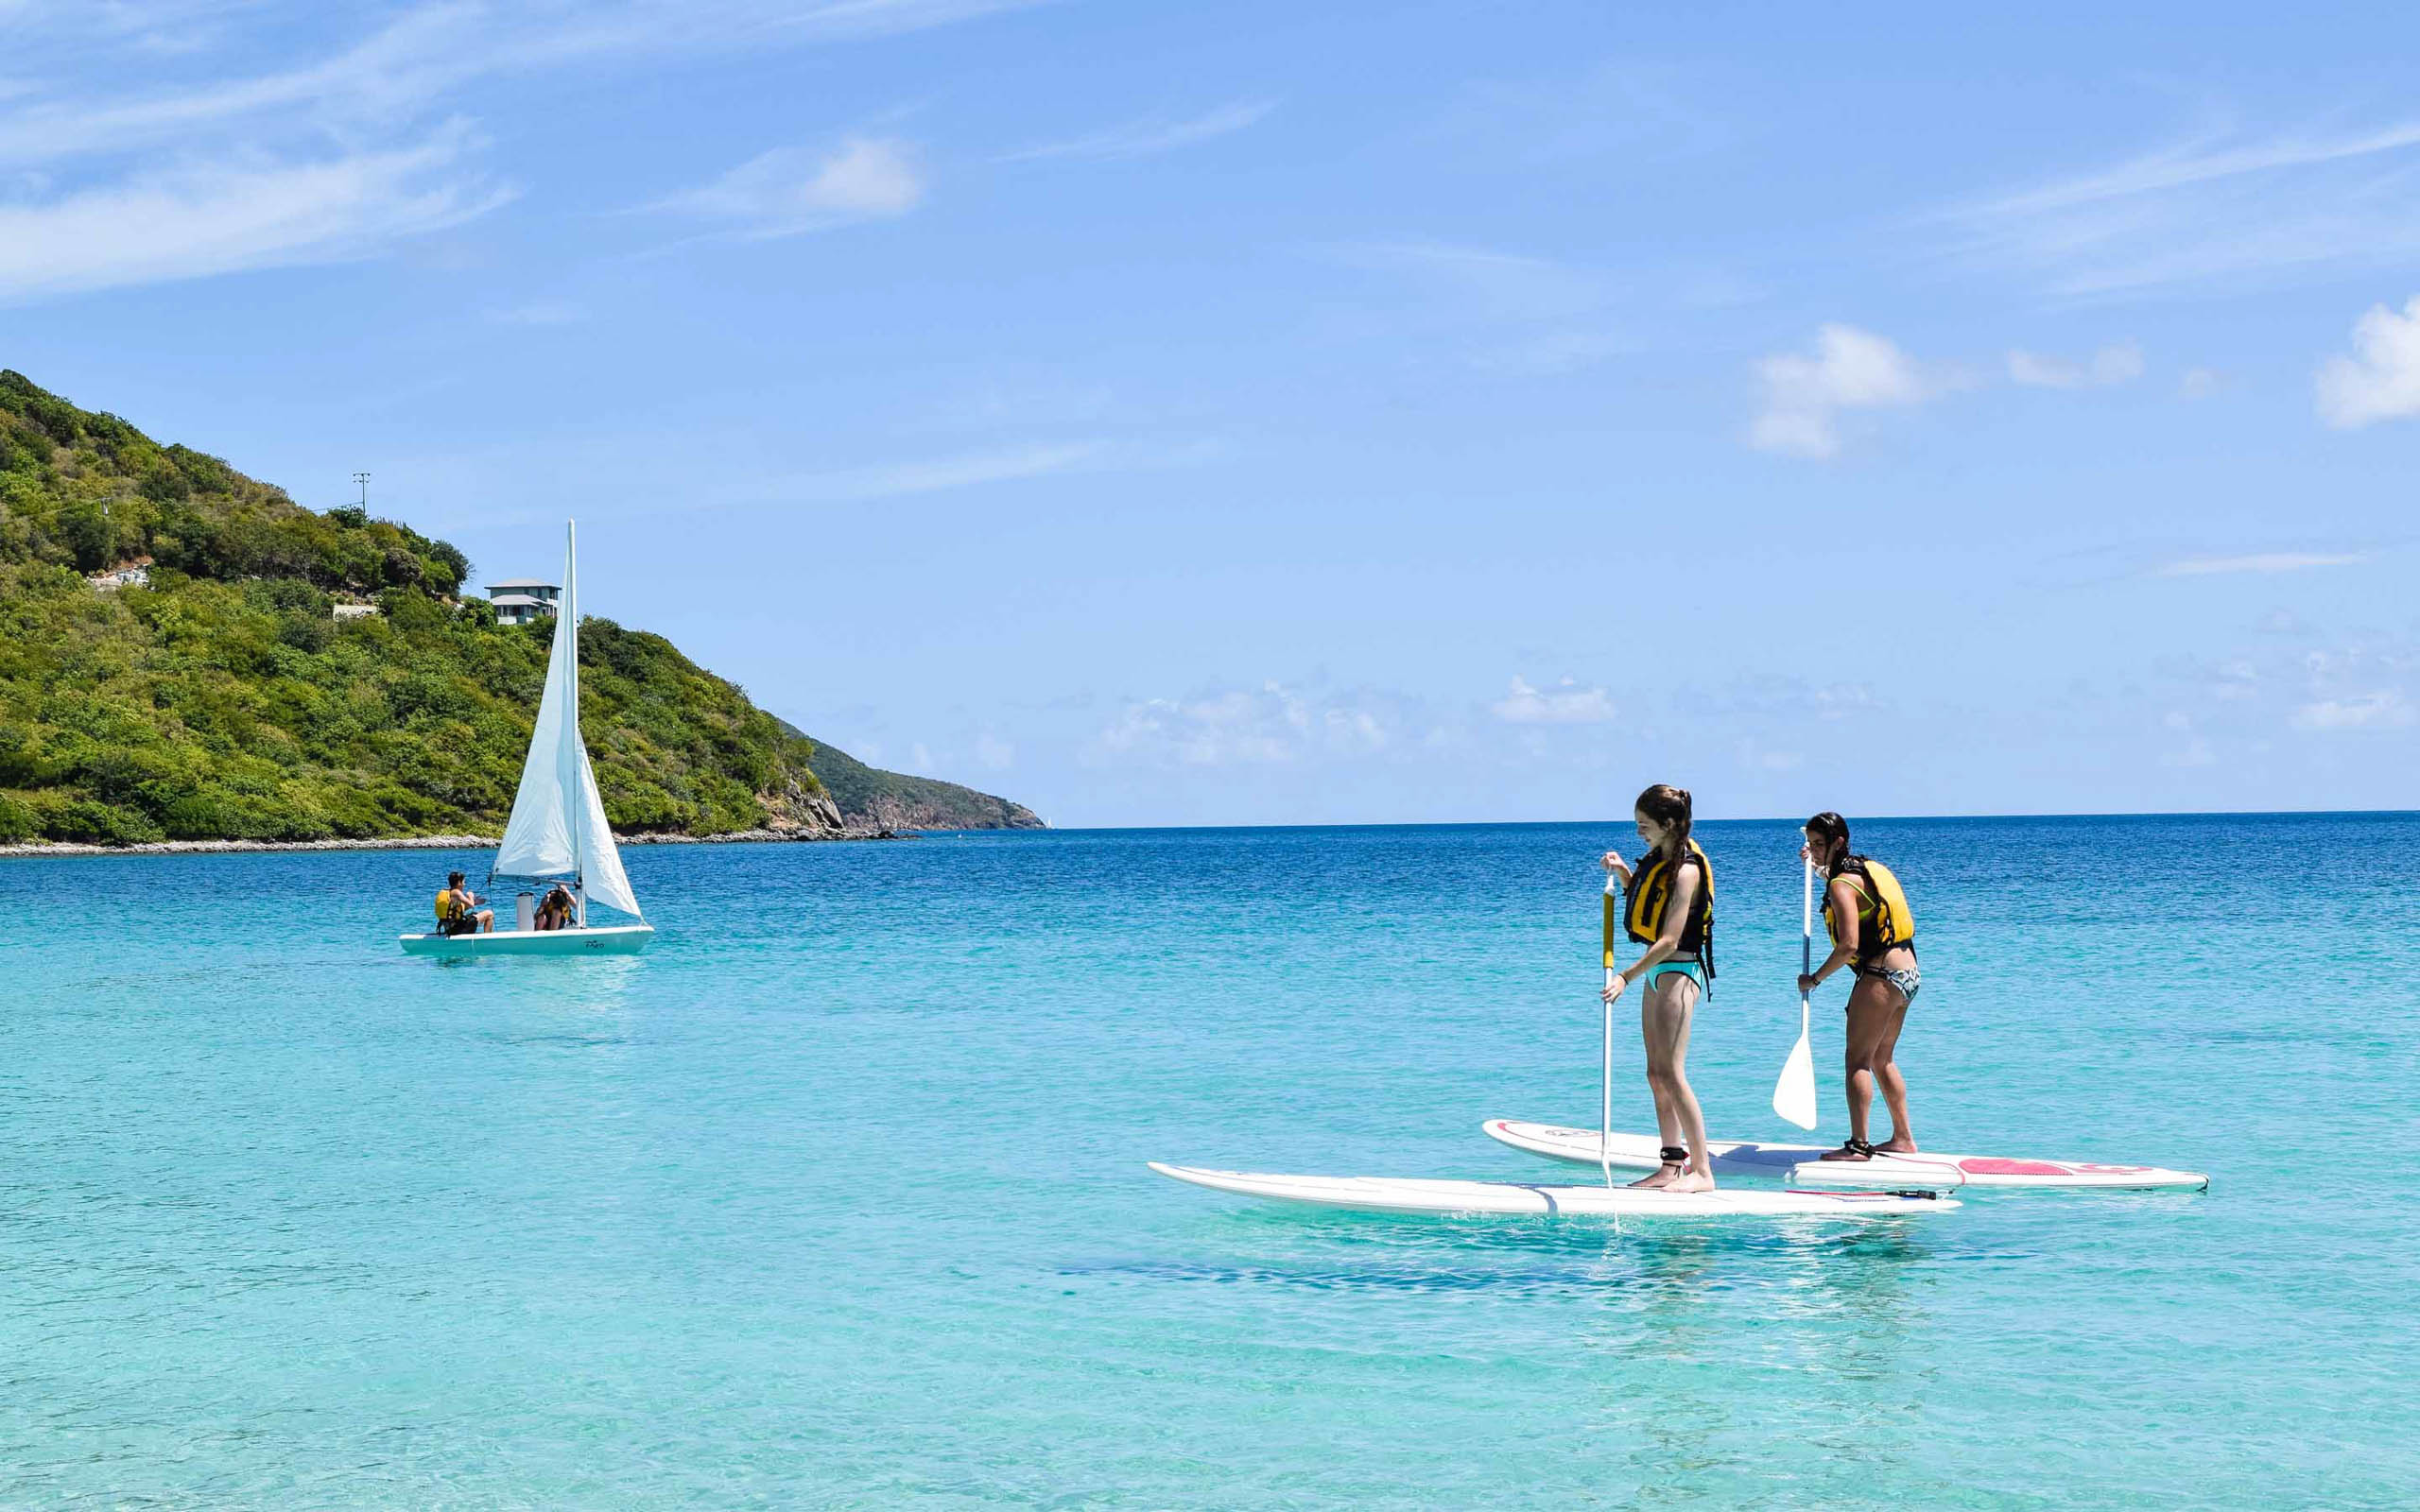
[520,600]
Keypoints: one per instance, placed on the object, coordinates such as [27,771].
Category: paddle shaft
[1605,1111]
[1806,931]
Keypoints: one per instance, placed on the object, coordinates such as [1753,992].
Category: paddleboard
[1798,1162]
[1369,1193]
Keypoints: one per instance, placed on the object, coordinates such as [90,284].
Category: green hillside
[869,795]
[225,701]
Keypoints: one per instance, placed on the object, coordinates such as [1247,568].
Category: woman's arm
[1840,899]
[1615,864]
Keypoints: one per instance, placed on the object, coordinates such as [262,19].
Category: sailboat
[558,830]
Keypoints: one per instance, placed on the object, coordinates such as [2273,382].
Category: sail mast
[567,623]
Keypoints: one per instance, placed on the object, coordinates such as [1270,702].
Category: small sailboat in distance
[558,829]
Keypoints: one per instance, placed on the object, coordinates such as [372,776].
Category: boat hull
[618,939]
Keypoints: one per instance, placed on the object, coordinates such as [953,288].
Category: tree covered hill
[895,800]
[223,700]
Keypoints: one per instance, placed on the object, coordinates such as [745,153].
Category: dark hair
[1668,806]
[1830,828]
[452,878]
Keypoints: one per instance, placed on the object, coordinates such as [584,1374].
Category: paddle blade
[1794,1094]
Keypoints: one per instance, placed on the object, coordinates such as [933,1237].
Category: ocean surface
[836,1197]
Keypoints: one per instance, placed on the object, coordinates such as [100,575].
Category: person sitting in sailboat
[459,911]
[554,910]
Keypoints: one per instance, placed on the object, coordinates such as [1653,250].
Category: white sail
[558,822]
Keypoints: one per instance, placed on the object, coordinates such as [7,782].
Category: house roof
[524,583]
[517,601]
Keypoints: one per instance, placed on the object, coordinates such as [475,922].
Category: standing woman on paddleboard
[1669,909]
[1874,930]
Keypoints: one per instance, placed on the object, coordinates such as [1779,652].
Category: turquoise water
[835,1198]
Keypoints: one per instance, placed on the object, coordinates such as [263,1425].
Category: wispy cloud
[792,190]
[342,153]
[2381,380]
[540,313]
[2118,364]
[2215,209]
[216,218]
[1150,134]
[935,475]
[2384,710]
[1850,369]
[1567,703]
[1270,725]
[1624,109]
[1517,315]
[2264,562]
[1497,284]
[437,48]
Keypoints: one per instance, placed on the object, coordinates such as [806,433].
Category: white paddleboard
[1371,1193]
[1798,1162]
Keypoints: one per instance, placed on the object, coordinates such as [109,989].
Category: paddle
[1605,1115]
[1794,1094]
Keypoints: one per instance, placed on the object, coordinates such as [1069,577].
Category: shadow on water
[1815,1265]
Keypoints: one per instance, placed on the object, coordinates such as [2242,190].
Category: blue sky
[1273,413]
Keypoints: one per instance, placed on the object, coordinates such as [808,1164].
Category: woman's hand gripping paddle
[1794,1094]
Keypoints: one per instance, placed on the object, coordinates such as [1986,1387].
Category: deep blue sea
[836,1197]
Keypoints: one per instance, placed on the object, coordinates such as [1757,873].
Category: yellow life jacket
[1884,921]
[1650,897]
[448,906]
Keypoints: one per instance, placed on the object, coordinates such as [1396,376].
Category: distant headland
[189,659]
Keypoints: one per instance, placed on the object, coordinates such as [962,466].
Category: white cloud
[992,753]
[2216,209]
[1154,134]
[1850,369]
[203,219]
[791,190]
[1566,704]
[2381,381]
[2275,562]
[2117,364]
[2200,382]
[2387,710]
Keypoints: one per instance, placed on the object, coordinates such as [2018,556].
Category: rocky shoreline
[425,842]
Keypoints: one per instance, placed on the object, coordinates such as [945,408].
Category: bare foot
[1663,1175]
[1690,1181]
[1900,1144]
[1850,1151]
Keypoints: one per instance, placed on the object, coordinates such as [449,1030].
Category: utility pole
[363,479]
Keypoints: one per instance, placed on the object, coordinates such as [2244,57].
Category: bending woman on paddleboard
[1871,927]
[1669,909]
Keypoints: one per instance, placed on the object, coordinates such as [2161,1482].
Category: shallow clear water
[837,1196]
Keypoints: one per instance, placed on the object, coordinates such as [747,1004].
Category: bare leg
[1667,1013]
[1886,1073]
[1874,1006]
[1668,1118]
